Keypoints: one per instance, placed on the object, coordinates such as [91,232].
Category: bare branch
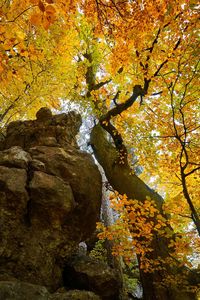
[100,84]
[191,172]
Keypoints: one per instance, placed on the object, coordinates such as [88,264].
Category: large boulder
[50,195]
[86,273]
[17,290]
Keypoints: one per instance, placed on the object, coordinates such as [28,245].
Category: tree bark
[119,177]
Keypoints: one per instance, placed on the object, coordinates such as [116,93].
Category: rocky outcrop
[86,273]
[48,130]
[16,290]
[50,194]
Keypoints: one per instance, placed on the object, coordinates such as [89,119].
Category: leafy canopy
[94,53]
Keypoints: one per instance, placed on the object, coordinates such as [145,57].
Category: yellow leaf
[20,34]
[24,53]
[50,10]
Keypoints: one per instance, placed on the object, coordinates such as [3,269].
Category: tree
[134,66]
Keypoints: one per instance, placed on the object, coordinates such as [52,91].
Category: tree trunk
[108,220]
[131,185]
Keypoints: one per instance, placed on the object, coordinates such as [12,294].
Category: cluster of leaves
[130,284]
[34,70]
[134,230]
[132,237]
[165,135]
[40,38]
[99,251]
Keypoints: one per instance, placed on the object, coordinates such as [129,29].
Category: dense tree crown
[134,65]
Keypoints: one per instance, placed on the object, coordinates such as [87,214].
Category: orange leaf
[46,23]
[1,68]
[50,10]
[36,19]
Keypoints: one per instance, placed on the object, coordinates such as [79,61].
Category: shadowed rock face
[17,290]
[86,273]
[50,194]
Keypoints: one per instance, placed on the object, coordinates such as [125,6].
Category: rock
[76,295]
[13,193]
[49,141]
[44,114]
[76,168]
[37,165]
[50,196]
[15,157]
[16,290]
[2,140]
[51,199]
[49,130]
[85,273]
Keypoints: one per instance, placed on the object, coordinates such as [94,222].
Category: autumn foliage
[134,67]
